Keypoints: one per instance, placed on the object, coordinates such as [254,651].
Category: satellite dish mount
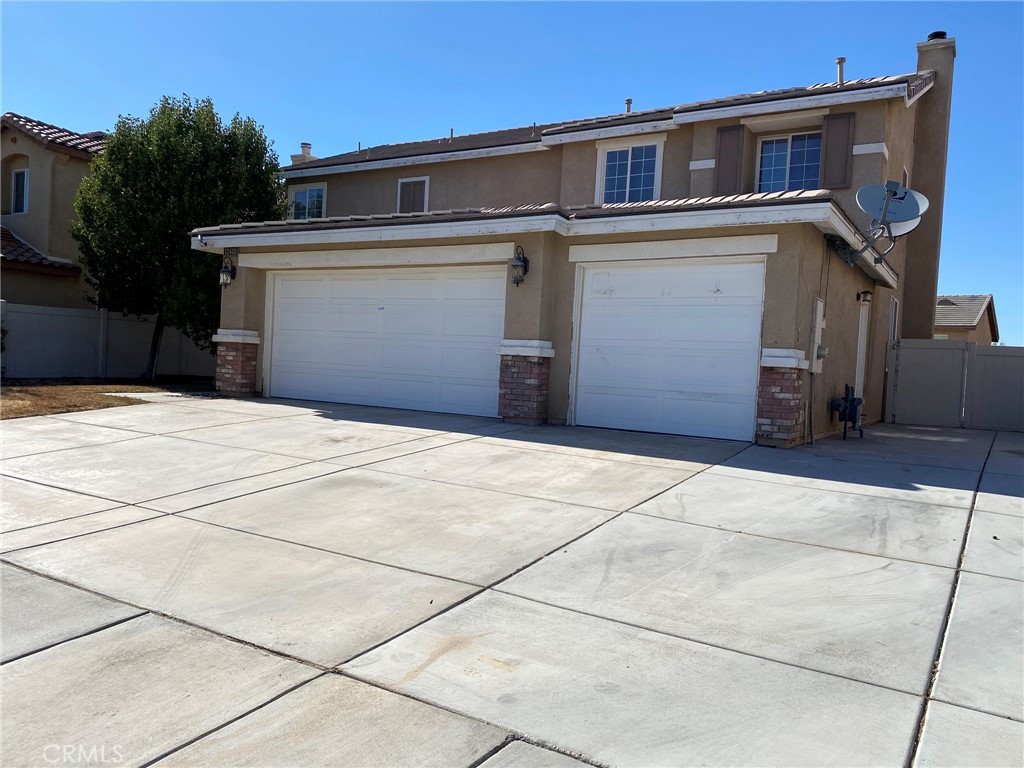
[895,211]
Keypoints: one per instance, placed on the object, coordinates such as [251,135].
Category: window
[940,336]
[629,172]
[19,195]
[894,319]
[412,194]
[307,201]
[787,163]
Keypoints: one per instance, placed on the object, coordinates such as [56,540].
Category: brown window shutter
[729,160]
[412,197]
[837,151]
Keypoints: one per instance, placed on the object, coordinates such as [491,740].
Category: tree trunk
[154,346]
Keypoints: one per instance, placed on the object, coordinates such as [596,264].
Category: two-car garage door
[671,346]
[418,338]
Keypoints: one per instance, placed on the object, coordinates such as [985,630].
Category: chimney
[629,106]
[840,61]
[304,155]
[928,176]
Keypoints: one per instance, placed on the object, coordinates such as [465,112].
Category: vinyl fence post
[101,357]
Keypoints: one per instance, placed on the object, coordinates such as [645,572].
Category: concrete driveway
[214,582]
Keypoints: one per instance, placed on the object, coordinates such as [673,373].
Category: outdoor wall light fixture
[519,267]
[228,270]
[864,297]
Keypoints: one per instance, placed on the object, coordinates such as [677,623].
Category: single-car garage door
[424,339]
[671,347]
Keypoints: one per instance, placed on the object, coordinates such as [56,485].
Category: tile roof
[82,144]
[530,209]
[14,249]
[965,311]
[533,134]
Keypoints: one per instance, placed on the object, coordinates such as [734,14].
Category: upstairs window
[412,194]
[787,163]
[629,171]
[307,201]
[19,191]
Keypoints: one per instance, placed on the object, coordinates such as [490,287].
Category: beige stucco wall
[982,334]
[45,290]
[532,177]
[54,178]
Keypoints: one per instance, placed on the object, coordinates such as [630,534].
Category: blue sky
[336,74]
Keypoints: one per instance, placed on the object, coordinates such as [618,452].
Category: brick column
[780,407]
[236,362]
[524,380]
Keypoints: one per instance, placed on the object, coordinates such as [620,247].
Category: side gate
[941,383]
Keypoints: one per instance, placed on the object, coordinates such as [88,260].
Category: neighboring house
[685,265]
[966,318]
[41,169]
[53,330]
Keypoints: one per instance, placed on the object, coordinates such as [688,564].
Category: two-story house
[687,270]
[41,168]
[51,328]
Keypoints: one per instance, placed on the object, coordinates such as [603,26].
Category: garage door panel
[701,373]
[620,409]
[474,324]
[622,323]
[416,289]
[364,320]
[301,288]
[603,366]
[422,338]
[670,347]
[413,321]
[472,362]
[363,289]
[294,317]
[409,358]
[475,289]
[717,324]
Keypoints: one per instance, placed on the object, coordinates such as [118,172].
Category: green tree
[155,181]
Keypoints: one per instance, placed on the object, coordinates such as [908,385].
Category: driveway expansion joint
[940,646]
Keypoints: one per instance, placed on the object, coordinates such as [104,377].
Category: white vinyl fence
[943,383]
[53,342]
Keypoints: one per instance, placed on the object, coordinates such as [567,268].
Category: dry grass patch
[24,398]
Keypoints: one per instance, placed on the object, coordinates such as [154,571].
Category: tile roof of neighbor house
[965,311]
[53,136]
[915,82]
[14,249]
[513,211]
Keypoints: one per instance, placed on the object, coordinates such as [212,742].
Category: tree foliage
[154,182]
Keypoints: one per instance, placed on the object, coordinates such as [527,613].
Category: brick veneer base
[236,368]
[523,389]
[780,407]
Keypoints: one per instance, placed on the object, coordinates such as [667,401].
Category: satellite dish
[892,203]
[901,228]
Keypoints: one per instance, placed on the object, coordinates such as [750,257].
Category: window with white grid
[306,201]
[629,171]
[787,163]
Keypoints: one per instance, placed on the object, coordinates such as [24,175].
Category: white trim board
[596,134]
[877,148]
[675,249]
[791,105]
[822,214]
[702,165]
[526,348]
[402,162]
[381,257]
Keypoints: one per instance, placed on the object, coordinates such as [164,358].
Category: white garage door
[423,339]
[671,347]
